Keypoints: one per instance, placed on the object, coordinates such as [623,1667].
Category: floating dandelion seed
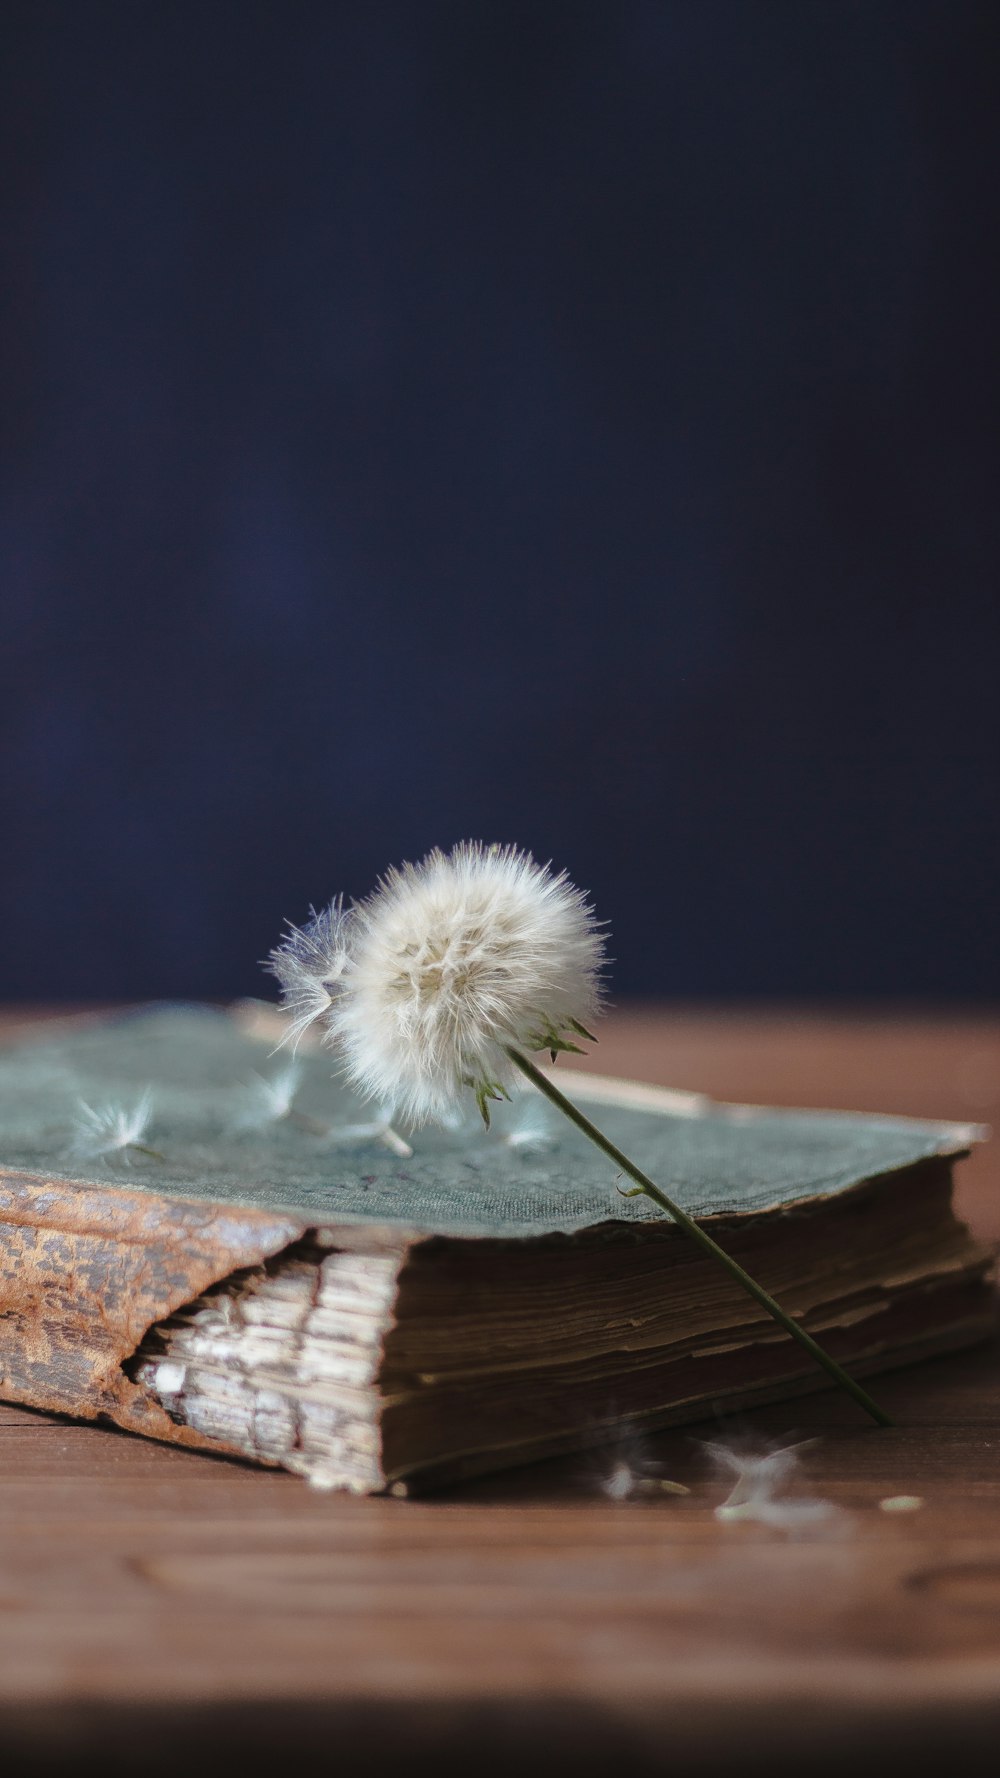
[113,1129]
[446,979]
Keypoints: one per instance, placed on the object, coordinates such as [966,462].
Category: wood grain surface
[204,1610]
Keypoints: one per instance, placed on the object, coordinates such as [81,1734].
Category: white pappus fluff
[380,1131]
[624,1482]
[271,1100]
[628,1470]
[530,1133]
[421,987]
[309,963]
[112,1129]
[760,1476]
[266,1101]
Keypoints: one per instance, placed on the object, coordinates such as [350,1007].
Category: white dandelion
[446,979]
[101,1131]
[428,983]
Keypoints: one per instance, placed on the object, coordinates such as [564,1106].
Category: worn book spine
[282,1366]
[306,1363]
[84,1274]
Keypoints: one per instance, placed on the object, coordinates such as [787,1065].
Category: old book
[259,1269]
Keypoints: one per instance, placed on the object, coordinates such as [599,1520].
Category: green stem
[690,1227]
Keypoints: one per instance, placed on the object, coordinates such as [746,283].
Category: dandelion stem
[646,1187]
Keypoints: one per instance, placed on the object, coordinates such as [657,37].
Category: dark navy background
[564,423]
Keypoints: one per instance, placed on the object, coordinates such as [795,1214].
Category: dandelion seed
[309,963]
[530,1134]
[622,1483]
[392,1140]
[112,1129]
[266,1101]
[633,1474]
[758,1473]
[380,1131]
[619,1483]
[901,1503]
[759,1477]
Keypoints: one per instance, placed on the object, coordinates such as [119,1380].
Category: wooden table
[155,1605]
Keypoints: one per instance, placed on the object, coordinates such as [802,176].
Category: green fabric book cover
[199,1068]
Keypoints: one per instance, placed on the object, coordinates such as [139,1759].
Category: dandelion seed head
[447,963]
